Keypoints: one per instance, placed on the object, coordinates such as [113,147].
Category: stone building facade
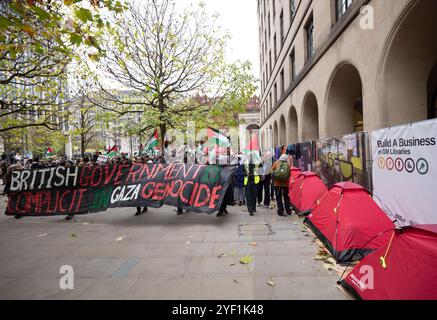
[332,67]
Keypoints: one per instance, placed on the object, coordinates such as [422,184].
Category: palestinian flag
[253,148]
[112,152]
[153,142]
[217,143]
[49,152]
[215,138]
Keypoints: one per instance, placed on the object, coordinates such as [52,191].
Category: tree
[34,139]
[169,59]
[84,120]
[38,39]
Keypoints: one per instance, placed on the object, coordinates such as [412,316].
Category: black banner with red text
[81,190]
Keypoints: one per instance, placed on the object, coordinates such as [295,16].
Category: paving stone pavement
[162,256]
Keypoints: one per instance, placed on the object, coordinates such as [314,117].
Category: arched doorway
[275,135]
[282,131]
[408,64]
[252,129]
[344,103]
[432,93]
[310,119]
[292,126]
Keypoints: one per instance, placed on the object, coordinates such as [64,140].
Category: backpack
[283,172]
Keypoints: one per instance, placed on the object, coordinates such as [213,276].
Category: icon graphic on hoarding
[410,165]
[390,164]
[399,164]
[381,163]
[422,166]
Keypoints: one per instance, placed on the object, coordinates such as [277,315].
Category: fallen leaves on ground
[246,260]
[322,255]
[328,266]
[271,283]
[332,260]
[320,244]
[221,256]
[232,264]
[73,235]
[236,281]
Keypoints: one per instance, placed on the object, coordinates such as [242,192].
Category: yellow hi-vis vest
[256,177]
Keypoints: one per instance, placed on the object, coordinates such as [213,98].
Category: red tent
[305,191]
[295,172]
[410,272]
[349,222]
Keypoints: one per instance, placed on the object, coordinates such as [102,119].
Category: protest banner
[344,158]
[304,156]
[81,190]
[405,171]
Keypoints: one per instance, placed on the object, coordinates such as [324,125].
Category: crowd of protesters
[255,183]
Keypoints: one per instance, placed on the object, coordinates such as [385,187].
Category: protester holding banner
[36,164]
[226,201]
[80,190]
[139,212]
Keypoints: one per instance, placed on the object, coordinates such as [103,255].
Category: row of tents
[395,263]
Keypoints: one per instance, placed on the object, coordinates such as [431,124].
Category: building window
[263,85]
[281,21]
[267,73]
[265,40]
[292,9]
[310,38]
[282,82]
[275,46]
[341,7]
[275,94]
[268,26]
[293,65]
[274,8]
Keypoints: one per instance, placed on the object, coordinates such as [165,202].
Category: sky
[239,18]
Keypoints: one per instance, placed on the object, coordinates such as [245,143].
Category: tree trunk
[163,131]
[82,146]
[162,127]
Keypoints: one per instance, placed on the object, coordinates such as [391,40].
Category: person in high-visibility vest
[251,182]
